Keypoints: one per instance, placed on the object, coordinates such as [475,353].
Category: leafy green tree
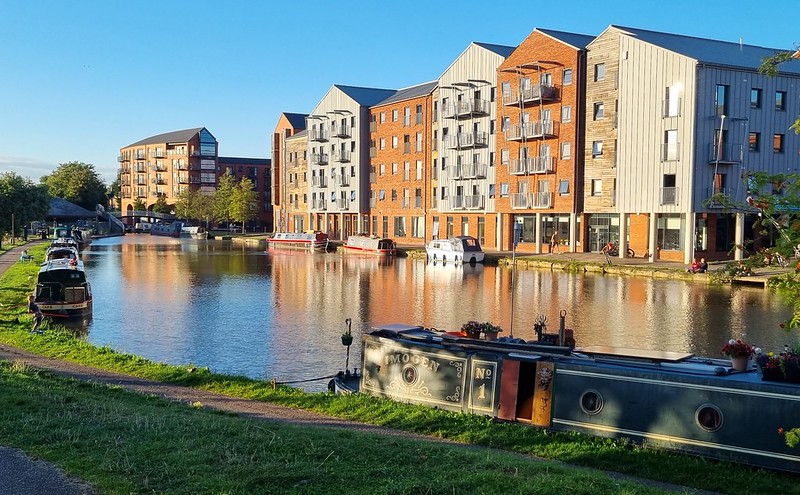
[186,203]
[113,194]
[139,205]
[78,183]
[21,201]
[223,197]
[244,202]
[161,206]
[204,207]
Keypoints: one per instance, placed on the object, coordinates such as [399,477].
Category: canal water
[280,314]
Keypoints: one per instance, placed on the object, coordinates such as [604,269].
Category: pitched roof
[365,96]
[297,120]
[502,50]
[714,52]
[169,137]
[410,92]
[61,208]
[573,39]
[299,134]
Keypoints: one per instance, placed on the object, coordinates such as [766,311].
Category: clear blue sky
[81,79]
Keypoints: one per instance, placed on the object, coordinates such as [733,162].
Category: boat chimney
[562,323]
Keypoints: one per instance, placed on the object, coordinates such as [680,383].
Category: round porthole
[410,375]
[708,417]
[591,402]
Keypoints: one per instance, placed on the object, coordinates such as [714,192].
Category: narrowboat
[60,252]
[314,242]
[167,229]
[370,245]
[670,400]
[62,289]
[460,249]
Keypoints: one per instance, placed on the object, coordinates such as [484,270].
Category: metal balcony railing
[319,135]
[343,180]
[319,159]
[671,107]
[467,140]
[533,94]
[318,181]
[342,156]
[473,107]
[669,195]
[343,204]
[669,152]
[318,204]
[727,153]
[532,130]
[474,202]
[343,131]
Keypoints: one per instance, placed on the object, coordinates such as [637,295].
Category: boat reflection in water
[242,311]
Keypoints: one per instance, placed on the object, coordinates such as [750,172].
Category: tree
[223,197]
[204,207]
[114,196]
[186,204]
[244,202]
[77,182]
[139,205]
[161,206]
[21,201]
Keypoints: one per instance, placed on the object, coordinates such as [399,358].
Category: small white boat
[461,249]
[370,245]
[194,232]
[315,242]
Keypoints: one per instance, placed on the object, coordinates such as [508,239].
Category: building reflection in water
[280,314]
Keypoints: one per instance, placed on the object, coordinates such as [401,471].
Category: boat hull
[370,245]
[316,242]
[691,405]
[462,249]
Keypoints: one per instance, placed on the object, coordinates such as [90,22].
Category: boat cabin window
[471,244]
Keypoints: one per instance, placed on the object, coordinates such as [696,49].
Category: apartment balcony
[343,131]
[141,194]
[319,181]
[373,152]
[669,195]
[140,168]
[532,165]
[470,171]
[206,153]
[463,141]
[182,166]
[160,168]
[157,154]
[342,156]
[182,179]
[406,120]
[318,204]
[406,148]
[121,159]
[417,202]
[372,178]
[474,202]
[343,181]
[125,181]
[728,154]
[373,126]
[343,204]
[138,155]
[534,94]
[319,135]
[532,200]
[406,203]
[670,152]
[160,181]
[474,107]
[124,170]
[533,130]
[319,159]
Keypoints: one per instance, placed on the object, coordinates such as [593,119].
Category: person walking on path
[555,243]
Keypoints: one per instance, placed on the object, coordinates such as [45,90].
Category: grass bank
[124,442]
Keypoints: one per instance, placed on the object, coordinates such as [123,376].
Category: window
[492,93]
[491,126]
[491,158]
[505,124]
[780,100]
[721,100]
[777,143]
[492,190]
[598,110]
[464,225]
[566,113]
[669,231]
[383,117]
[670,145]
[668,190]
[755,98]
[597,148]
[394,168]
[597,187]
[395,141]
[504,156]
[419,169]
[504,189]
[394,194]
[394,115]
[418,227]
[599,72]
[567,78]
[753,141]
[419,142]
[400,226]
[383,169]
[566,151]
[383,143]
[563,187]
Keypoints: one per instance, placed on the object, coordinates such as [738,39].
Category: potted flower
[739,352]
[473,329]
[770,366]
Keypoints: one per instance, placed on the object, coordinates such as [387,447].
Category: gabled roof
[502,50]
[714,52]
[365,96]
[300,134]
[575,40]
[297,120]
[410,92]
[170,137]
[61,208]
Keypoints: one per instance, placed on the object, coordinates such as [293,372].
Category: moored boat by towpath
[460,249]
[671,400]
[167,229]
[314,242]
[363,244]
[62,289]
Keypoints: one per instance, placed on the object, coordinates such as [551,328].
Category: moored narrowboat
[314,242]
[62,289]
[381,246]
[675,401]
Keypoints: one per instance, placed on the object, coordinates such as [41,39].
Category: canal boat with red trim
[362,244]
[314,242]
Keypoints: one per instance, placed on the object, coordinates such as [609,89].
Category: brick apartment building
[259,171]
[288,125]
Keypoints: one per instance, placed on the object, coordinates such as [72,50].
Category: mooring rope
[304,381]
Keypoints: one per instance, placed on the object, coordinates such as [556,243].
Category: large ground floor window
[603,228]
[670,226]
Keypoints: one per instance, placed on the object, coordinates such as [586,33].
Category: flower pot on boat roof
[739,352]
